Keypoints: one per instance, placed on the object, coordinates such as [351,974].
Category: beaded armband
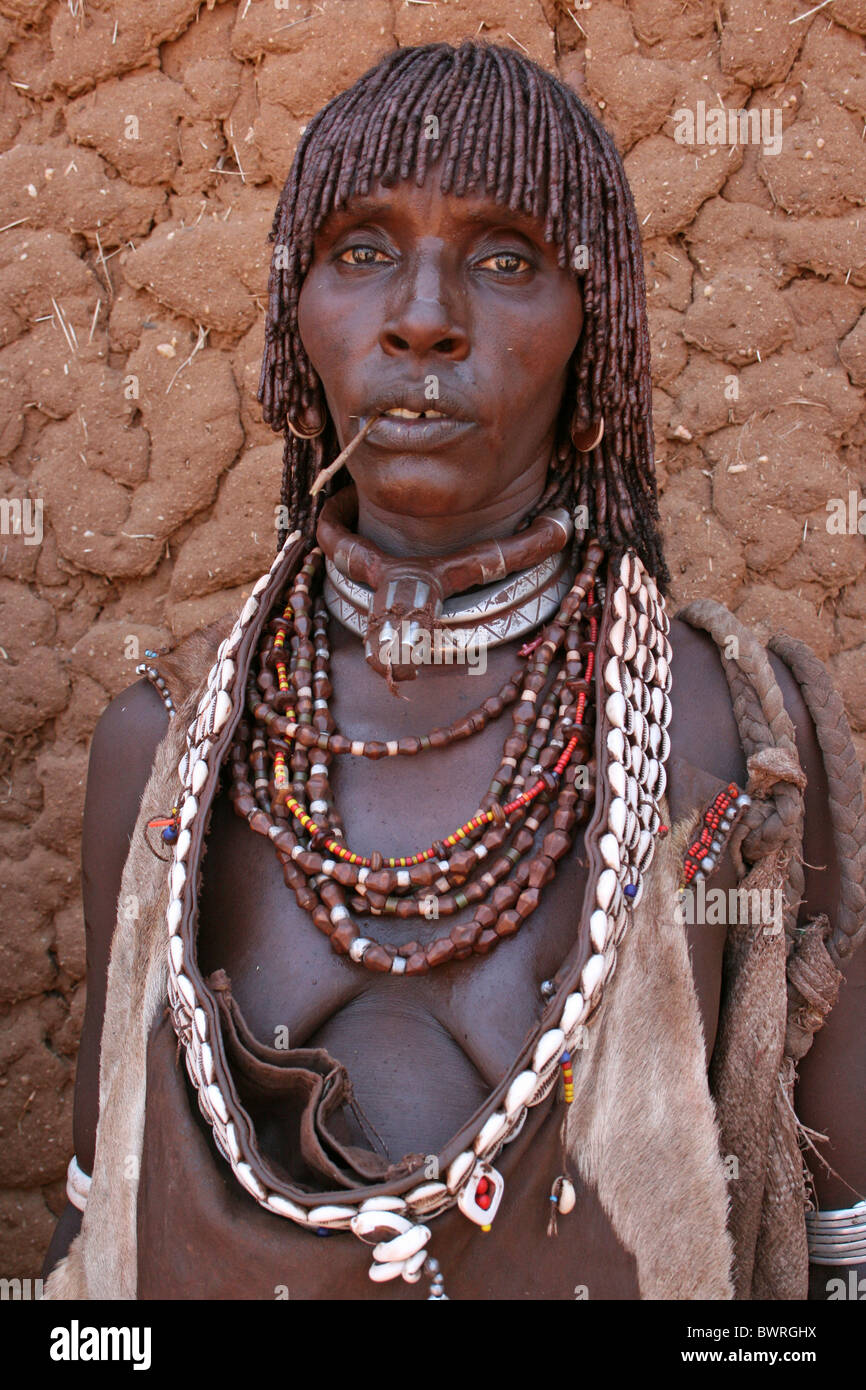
[717,822]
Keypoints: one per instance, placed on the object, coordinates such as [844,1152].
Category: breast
[422,1053]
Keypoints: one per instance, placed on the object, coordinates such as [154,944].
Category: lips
[409,424]
[400,434]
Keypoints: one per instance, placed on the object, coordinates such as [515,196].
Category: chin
[417,486]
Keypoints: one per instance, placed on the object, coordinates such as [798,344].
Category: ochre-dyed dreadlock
[511,130]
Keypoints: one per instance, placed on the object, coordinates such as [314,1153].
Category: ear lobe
[588,439]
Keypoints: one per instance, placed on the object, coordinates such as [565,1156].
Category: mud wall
[142,150]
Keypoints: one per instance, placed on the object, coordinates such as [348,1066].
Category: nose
[426,318]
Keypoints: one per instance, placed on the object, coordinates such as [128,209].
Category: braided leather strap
[844,788]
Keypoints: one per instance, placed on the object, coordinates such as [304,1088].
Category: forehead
[427,209]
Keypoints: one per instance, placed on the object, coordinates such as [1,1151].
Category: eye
[362,255]
[507,263]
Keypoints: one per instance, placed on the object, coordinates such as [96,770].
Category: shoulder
[703,724]
[131,724]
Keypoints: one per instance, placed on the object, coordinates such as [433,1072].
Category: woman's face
[428,303]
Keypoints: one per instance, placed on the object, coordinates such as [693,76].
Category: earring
[304,434]
[584,442]
[317,413]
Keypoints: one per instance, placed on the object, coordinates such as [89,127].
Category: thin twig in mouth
[327,473]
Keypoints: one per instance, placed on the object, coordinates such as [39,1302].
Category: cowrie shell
[248,1179]
[227,674]
[429,1194]
[549,1045]
[608,847]
[412,1268]
[222,710]
[616,744]
[598,928]
[605,889]
[379,1223]
[404,1246]
[621,606]
[574,1012]
[616,710]
[592,975]
[380,1274]
[623,639]
[459,1168]
[490,1131]
[519,1091]
[332,1217]
[231,1137]
[383,1204]
[198,776]
[616,776]
[567,1197]
[611,675]
[617,816]
[249,610]
[644,851]
[283,1207]
[215,1096]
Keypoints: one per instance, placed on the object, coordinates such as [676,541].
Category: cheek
[309,319]
[536,366]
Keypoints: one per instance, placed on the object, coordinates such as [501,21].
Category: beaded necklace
[291,727]
[633,745]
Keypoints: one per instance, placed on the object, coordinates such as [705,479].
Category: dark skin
[413,285]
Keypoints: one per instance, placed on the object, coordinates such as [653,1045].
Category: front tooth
[407,414]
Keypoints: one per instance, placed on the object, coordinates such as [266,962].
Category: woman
[489,1064]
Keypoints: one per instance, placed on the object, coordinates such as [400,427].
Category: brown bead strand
[538,735]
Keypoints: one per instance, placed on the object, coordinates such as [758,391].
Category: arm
[832,1076]
[121,756]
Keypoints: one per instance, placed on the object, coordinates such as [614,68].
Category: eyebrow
[364,208]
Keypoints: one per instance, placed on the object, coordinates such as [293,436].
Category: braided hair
[504,126]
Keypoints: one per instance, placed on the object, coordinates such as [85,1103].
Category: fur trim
[642,1127]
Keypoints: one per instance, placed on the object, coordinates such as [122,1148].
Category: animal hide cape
[644,1127]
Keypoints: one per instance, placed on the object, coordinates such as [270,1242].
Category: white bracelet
[77,1184]
[837,1237]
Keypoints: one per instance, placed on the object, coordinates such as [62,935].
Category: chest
[422,1052]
